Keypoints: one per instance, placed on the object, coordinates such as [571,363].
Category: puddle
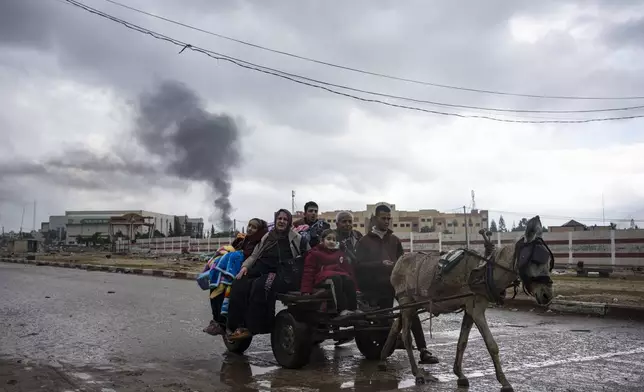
[259,370]
[580,330]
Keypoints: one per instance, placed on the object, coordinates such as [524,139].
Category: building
[23,246]
[418,221]
[193,227]
[573,225]
[110,223]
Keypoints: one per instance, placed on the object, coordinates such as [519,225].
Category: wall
[616,248]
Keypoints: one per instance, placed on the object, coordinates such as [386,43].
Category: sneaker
[358,311]
[213,329]
[346,313]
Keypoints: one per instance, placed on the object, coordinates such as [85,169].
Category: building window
[361,224]
[422,219]
[478,224]
[415,225]
[440,224]
[395,224]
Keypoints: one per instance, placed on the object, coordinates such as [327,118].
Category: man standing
[316,226]
[347,236]
[377,253]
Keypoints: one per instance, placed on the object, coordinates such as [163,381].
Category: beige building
[573,225]
[418,221]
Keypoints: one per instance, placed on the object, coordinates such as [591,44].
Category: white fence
[617,248]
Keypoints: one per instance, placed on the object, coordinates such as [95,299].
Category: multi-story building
[418,221]
[108,223]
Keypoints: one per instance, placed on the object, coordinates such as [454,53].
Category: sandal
[213,329]
[239,334]
[427,358]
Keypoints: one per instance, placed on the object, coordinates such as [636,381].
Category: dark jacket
[312,234]
[265,244]
[371,251]
[348,244]
[322,263]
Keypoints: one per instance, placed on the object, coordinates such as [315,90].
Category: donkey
[465,280]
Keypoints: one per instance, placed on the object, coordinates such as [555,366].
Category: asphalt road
[72,330]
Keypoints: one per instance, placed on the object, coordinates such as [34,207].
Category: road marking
[445,377]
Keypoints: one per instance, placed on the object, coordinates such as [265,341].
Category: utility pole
[467,237]
[34,222]
[293,202]
[603,215]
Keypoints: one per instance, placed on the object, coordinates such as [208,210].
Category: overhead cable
[362,71]
[321,84]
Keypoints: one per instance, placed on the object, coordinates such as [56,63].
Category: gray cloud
[174,129]
[173,125]
[459,42]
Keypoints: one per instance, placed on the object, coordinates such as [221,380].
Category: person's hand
[242,272]
[388,263]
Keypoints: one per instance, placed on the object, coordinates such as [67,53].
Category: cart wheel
[370,343]
[237,346]
[291,341]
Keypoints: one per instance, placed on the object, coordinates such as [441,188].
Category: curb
[628,312]
[108,268]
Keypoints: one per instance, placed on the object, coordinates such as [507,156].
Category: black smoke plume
[195,144]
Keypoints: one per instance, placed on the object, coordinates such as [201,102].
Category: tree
[158,234]
[523,224]
[170,231]
[493,228]
[502,227]
[177,227]
[426,229]
[212,230]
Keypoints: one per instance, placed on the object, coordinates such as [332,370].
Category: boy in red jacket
[325,265]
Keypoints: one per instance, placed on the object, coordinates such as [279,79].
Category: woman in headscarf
[252,299]
[256,230]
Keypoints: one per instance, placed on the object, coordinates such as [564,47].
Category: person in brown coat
[377,253]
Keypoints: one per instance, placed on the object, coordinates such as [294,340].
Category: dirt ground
[182,263]
[625,289]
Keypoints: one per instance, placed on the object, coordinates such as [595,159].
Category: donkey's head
[534,262]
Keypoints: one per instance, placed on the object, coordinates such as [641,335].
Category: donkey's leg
[490,343]
[392,339]
[466,327]
[421,376]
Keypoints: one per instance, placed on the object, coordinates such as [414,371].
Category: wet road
[66,330]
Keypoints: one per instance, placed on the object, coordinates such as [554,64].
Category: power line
[320,84]
[415,100]
[372,73]
[588,219]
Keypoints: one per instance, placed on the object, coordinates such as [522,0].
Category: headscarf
[275,234]
[250,241]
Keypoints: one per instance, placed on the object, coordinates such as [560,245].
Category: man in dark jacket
[316,226]
[347,236]
[377,253]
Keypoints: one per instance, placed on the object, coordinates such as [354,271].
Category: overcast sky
[72,85]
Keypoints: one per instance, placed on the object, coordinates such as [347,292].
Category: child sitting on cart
[327,265]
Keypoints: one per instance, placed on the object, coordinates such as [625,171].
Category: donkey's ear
[533,229]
